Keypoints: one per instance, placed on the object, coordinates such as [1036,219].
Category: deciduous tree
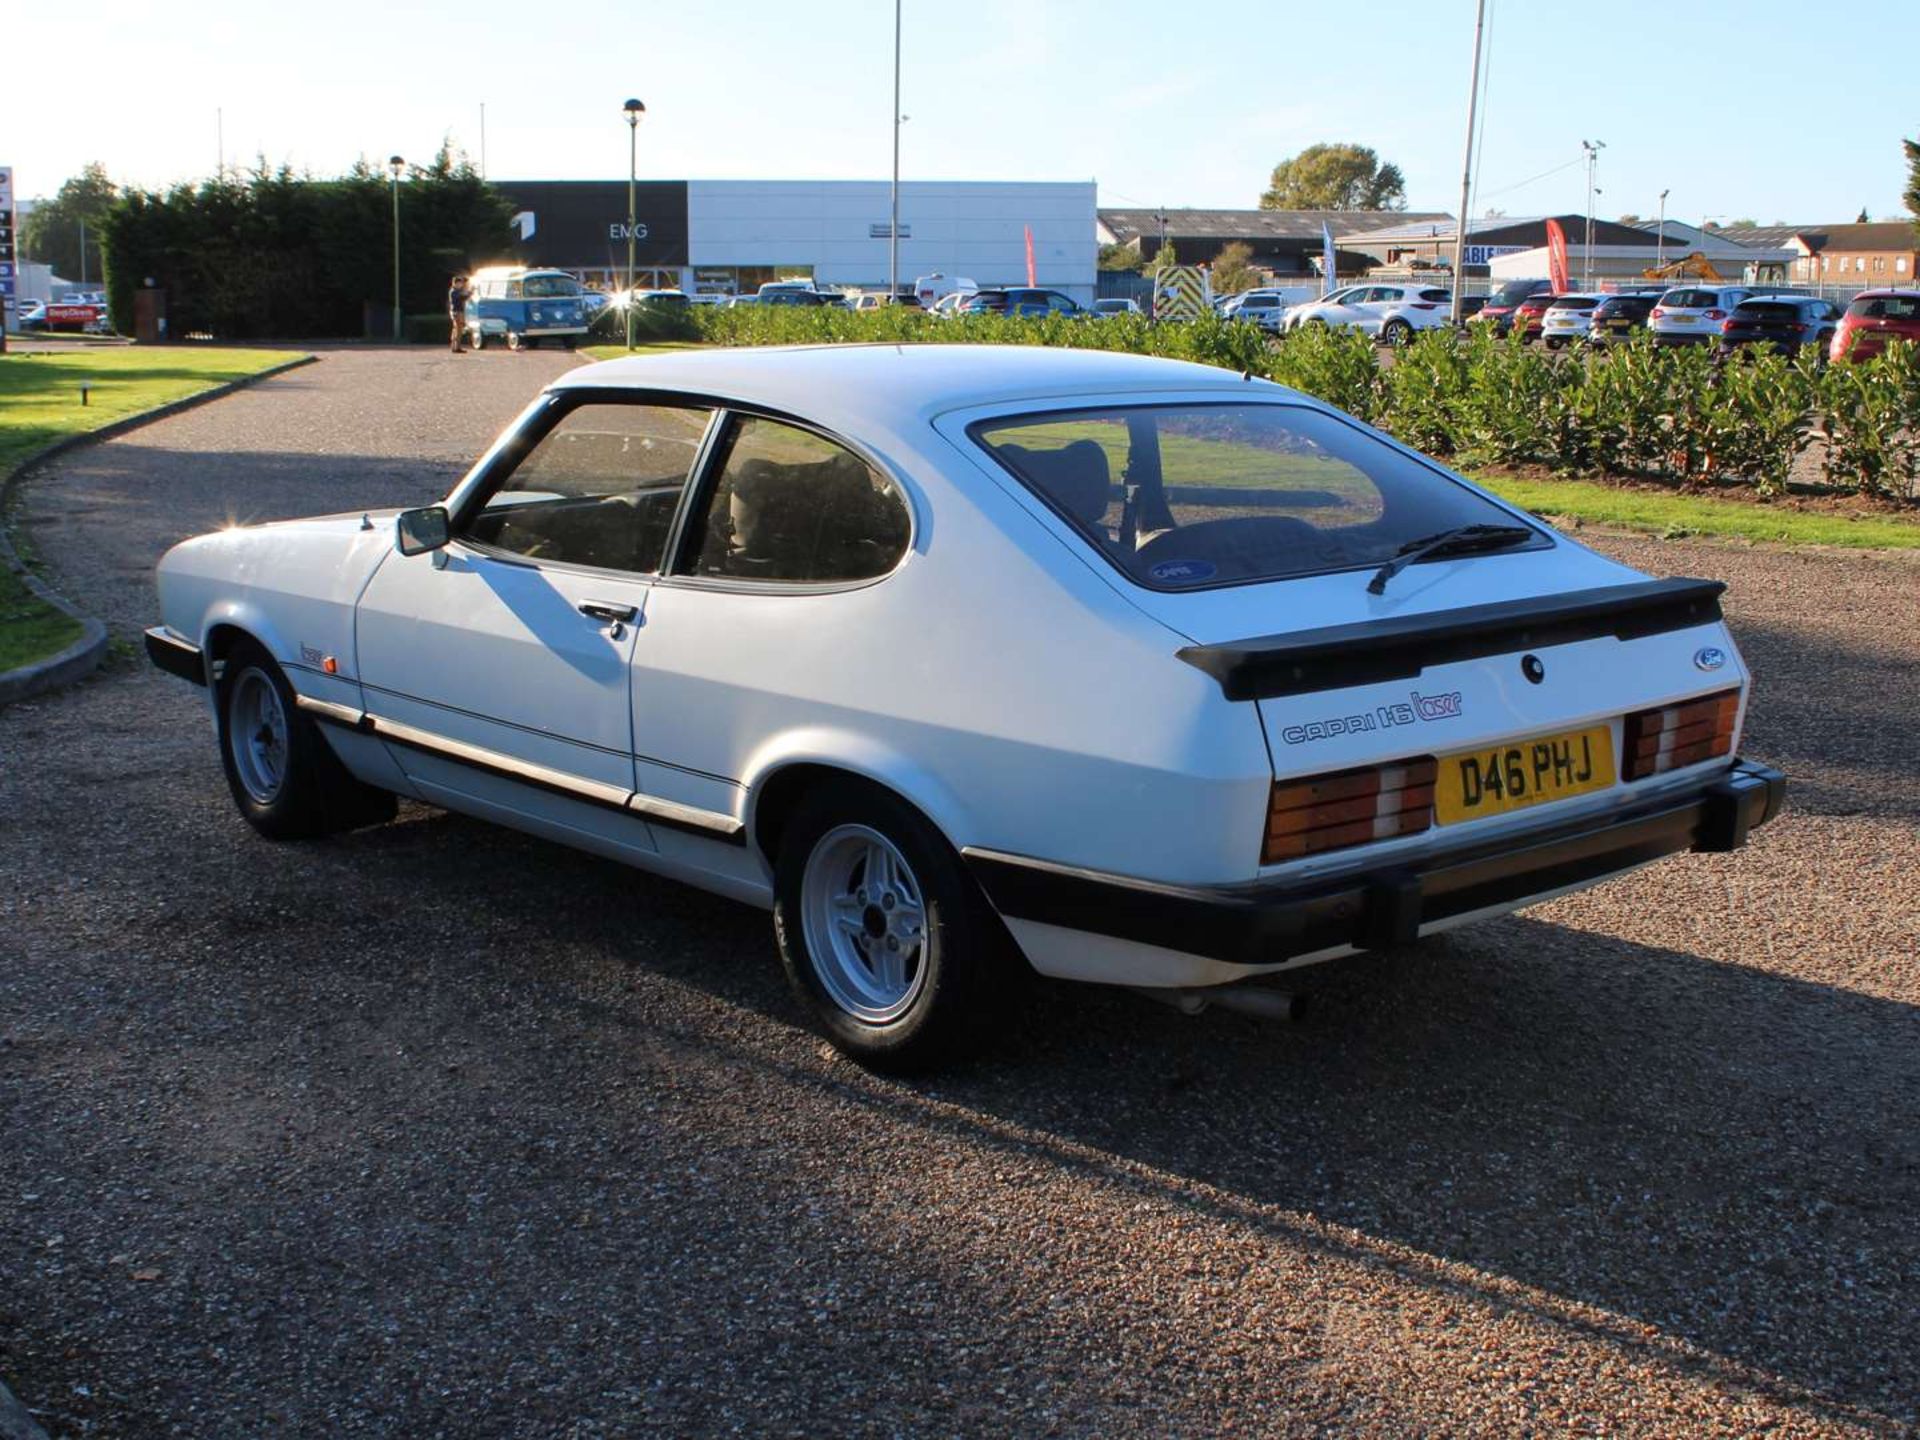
[1335,177]
[1233,270]
[50,234]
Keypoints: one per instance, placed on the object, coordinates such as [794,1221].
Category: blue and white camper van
[522,307]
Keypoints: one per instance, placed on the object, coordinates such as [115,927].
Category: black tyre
[884,936]
[285,781]
[1396,333]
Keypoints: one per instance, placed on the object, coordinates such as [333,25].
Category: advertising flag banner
[1557,257]
[1032,274]
[1327,262]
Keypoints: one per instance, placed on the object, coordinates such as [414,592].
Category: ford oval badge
[1709,657]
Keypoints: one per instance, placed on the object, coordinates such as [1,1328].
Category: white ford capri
[961,658]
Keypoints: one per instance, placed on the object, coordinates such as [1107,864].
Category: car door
[501,662]
[771,622]
[1370,307]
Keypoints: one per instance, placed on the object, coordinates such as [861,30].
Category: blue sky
[1801,123]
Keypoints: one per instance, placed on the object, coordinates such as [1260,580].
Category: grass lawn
[1678,515]
[643,347]
[40,404]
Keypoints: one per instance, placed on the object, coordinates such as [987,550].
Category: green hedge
[1679,415]
[275,254]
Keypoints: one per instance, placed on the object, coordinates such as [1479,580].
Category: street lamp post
[1466,169]
[893,219]
[1593,149]
[633,110]
[1660,245]
[394,166]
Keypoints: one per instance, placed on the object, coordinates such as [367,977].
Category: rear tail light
[1655,313]
[1426,305]
[1676,735]
[1348,807]
[1716,314]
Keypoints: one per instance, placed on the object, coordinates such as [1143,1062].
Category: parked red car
[1500,305]
[1875,317]
[1529,316]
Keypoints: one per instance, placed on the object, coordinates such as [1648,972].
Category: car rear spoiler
[1397,649]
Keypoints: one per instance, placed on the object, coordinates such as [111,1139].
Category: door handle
[608,611]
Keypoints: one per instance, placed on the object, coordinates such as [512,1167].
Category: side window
[600,488]
[795,508]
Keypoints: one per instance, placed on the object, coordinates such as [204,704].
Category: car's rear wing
[1400,648]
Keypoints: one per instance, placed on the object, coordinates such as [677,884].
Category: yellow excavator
[1688,267]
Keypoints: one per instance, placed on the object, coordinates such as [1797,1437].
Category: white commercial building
[732,236]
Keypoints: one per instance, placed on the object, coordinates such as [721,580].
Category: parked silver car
[1265,308]
[1692,314]
[1569,319]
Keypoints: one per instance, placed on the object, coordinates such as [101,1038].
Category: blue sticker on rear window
[1182,572]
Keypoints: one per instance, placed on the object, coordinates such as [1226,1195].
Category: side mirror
[418,531]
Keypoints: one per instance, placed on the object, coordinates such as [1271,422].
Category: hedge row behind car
[1632,409]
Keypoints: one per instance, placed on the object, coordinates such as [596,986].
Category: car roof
[871,387]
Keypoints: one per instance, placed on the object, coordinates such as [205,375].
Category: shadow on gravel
[1837,717]
[1718,1152]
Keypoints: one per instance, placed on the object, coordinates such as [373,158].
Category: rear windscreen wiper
[1461,538]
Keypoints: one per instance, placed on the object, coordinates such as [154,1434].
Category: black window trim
[472,495]
[1544,538]
[497,466]
[676,572]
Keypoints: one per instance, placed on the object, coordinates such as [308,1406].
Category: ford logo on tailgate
[1709,657]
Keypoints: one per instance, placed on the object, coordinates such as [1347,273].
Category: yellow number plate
[1504,778]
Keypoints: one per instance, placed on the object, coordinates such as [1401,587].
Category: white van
[935,287]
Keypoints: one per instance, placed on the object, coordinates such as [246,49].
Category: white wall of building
[1614,263]
[838,228]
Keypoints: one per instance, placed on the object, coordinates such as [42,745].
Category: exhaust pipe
[1262,1001]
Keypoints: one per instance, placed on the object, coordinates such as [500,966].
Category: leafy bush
[1870,419]
[1337,366]
[1631,409]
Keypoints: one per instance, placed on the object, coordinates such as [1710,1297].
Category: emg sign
[582,224]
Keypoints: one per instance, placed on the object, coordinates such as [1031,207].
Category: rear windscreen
[1574,302]
[1689,299]
[1886,307]
[1768,312]
[1513,292]
[1182,497]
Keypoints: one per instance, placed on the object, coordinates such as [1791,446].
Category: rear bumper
[176,655]
[1268,923]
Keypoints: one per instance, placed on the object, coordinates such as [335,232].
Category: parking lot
[437,1129]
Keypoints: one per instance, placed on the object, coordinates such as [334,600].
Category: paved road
[440,1130]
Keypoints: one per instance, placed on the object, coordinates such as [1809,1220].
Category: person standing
[457,294]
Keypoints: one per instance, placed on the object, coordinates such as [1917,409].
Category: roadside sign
[1180,292]
[6,249]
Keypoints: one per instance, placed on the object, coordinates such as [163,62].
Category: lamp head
[396,165]
[633,110]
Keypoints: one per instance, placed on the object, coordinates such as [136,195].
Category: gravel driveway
[439,1130]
